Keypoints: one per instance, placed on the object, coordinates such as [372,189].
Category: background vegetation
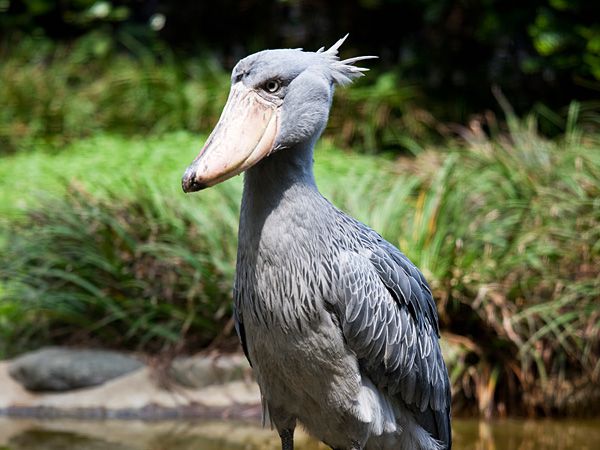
[497,201]
[544,51]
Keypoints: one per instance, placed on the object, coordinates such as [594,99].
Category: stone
[64,369]
[200,371]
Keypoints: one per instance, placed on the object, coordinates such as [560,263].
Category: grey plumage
[339,326]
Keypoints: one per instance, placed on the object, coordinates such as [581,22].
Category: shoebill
[339,326]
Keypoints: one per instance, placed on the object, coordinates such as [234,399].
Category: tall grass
[508,230]
[133,268]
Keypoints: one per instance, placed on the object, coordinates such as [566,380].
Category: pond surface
[133,435]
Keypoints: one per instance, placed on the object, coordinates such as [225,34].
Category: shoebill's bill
[339,326]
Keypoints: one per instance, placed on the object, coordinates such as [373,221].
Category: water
[132,435]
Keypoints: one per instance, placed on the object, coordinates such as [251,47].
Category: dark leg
[287,439]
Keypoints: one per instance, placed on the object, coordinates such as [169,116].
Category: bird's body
[339,326]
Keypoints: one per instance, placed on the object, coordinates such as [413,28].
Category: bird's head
[278,99]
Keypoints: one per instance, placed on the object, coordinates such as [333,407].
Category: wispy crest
[343,72]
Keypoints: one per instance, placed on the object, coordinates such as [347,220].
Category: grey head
[278,99]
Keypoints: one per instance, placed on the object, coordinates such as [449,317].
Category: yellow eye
[272,86]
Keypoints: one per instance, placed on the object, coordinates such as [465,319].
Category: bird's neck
[282,176]
[280,195]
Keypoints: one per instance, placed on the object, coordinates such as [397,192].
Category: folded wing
[388,318]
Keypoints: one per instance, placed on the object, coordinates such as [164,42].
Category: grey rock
[201,371]
[64,369]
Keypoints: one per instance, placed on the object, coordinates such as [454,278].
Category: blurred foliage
[63,19]
[537,51]
[59,93]
[63,92]
[562,42]
[506,228]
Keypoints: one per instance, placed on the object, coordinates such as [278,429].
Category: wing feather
[388,318]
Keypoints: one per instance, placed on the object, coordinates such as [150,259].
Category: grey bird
[340,328]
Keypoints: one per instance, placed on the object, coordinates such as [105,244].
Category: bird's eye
[272,86]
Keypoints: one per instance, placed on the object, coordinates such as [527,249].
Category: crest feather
[343,72]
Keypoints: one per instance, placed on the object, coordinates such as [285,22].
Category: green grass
[101,246]
[95,163]
[115,162]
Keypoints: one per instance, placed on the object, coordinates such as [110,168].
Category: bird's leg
[287,439]
[285,425]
